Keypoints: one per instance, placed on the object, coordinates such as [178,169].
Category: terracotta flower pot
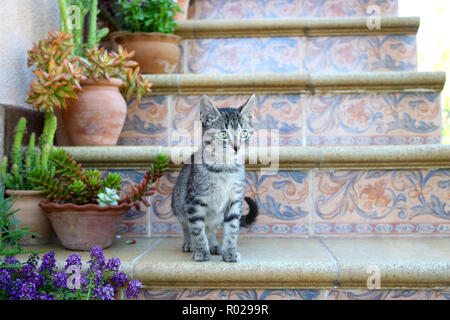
[32,216]
[81,227]
[184,5]
[155,52]
[97,118]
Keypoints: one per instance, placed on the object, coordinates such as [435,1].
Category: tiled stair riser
[321,203]
[296,119]
[238,9]
[336,54]
[284,294]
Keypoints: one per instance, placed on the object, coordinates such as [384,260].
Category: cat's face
[226,131]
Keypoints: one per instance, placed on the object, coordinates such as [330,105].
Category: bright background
[433,44]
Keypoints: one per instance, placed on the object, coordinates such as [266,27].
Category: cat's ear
[248,109]
[208,112]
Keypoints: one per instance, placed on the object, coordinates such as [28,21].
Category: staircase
[362,182]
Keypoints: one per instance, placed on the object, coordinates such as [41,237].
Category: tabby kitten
[209,190]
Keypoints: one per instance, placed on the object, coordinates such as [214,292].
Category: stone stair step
[310,192]
[302,27]
[307,109]
[219,9]
[339,45]
[286,268]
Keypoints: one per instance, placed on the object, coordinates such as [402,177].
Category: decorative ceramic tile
[278,119]
[389,295]
[146,122]
[283,203]
[291,294]
[217,9]
[359,53]
[135,221]
[244,55]
[162,220]
[230,294]
[373,119]
[347,8]
[240,9]
[394,202]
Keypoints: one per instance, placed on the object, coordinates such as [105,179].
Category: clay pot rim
[117,36]
[113,82]
[48,205]
[10,192]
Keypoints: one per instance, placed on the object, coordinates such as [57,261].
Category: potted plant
[16,173]
[84,208]
[11,234]
[147,28]
[86,83]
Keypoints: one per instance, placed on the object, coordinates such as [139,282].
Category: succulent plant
[22,161]
[109,197]
[59,72]
[70,183]
[147,187]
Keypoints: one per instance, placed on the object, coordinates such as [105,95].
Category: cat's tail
[250,218]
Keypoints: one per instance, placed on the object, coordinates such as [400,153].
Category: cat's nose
[236,148]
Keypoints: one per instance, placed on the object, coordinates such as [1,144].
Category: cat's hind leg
[214,246]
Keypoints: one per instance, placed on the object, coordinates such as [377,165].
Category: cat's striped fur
[209,190]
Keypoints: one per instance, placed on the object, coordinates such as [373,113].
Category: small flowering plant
[41,280]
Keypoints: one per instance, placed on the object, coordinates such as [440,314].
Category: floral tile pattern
[239,9]
[278,119]
[359,54]
[318,54]
[347,8]
[321,203]
[146,122]
[392,202]
[389,295]
[291,294]
[283,202]
[373,119]
[244,55]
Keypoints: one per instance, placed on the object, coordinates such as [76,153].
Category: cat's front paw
[200,256]
[231,256]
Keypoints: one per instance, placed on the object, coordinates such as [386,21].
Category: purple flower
[97,277]
[60,280]
[97,257]
[104,293]
[113,264]
[134,288]
[119,279]
[5,279]
[73,260]
[48,262]
[27,291]
[11,260]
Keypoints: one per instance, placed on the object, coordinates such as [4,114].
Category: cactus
[22,162]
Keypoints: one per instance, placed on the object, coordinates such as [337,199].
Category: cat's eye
[223,135]
[244,134]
